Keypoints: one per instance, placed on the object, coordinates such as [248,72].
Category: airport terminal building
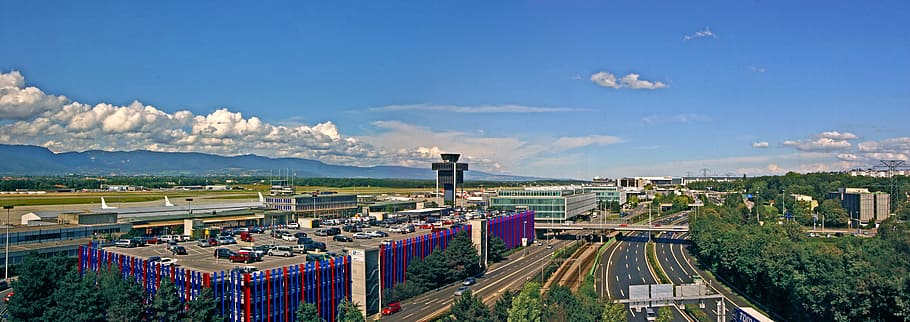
[549,204]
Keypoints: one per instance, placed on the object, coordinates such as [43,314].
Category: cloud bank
[700,34]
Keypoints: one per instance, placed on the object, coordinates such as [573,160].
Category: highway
[675,260]
[627,265]
[509,274]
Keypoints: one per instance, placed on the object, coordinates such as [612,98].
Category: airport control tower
[449,174]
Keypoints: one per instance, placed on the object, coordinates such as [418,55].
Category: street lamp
[649,221]
[523,238]
[189,205]
[6,261]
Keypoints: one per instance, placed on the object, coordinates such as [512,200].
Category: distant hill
[35,160]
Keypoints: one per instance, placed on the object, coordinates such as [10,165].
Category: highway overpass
[617,227]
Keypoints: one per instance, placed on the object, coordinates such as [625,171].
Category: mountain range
[29,160]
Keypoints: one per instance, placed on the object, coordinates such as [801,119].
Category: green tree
[307,312]
[204,308]
[496,249]
[527,306]
[349,312]
[835,215]
[470,308]
[664,314]
[76,299]
[38,278]
[613,312]
[461,257]
[167,305]
[125,300]
[501,307]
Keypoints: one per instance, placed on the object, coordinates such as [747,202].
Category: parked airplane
[105,206]
[167,203]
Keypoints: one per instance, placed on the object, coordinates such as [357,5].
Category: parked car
[342,238]
[223,253]
[469,281]
[167,261]
[264,248]
[254,254]
[293,225]
[138,241]
[241,258]
[460,290]
[152,240]
[385,242]
[178,250]
[245,236]
[285,251]
[213,242]
[426,226]
[257,230]
[203,243]
[362,236]
[377,233]
[300,234]
[154,259]
[4,284]
[391,308]
[313,245]
[125,243]
[288,237]
[299,249]
[396,229]
[322,232]
[334,231]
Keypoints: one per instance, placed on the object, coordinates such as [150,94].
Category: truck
[748,314]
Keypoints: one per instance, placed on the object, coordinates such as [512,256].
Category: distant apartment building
[550,204]
[877,173]
[868,207]
[313,205]
[807,199]
[604,194]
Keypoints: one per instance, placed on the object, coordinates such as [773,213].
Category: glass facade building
[322,205]
[604,193]
[549,205]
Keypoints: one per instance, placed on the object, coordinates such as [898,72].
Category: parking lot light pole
[6,260]
[189,205]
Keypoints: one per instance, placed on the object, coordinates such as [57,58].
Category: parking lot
[202,258]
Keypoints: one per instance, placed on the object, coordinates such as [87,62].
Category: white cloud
[847,156]
[631,80]
[835,135]
[605,79]
[820,144]
[568,143]
[757,69]
[699,34]
[760,145]
[474,109]
[19,102]
[824,142]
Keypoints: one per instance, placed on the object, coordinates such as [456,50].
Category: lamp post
[6,260]
[523,238]
[189,205]
[649,222]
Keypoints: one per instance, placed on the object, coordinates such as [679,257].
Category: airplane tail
[261,198]
[105,206]
[167,203]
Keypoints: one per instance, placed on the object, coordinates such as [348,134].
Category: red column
[186,285]
[247,298]
[81,249]
[318,299]
[302,283]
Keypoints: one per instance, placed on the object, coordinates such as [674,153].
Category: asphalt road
[510,274]
[627,265]
[674,259]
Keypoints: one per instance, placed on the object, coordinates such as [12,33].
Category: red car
[447,222]
[426,226]
[623,225]
[10,296]
[241,258]
[245,236]
[391,308]
[213,242]
[152,240]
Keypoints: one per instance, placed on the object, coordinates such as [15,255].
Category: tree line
[807,279]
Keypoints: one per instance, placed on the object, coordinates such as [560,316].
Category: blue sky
[557,89]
